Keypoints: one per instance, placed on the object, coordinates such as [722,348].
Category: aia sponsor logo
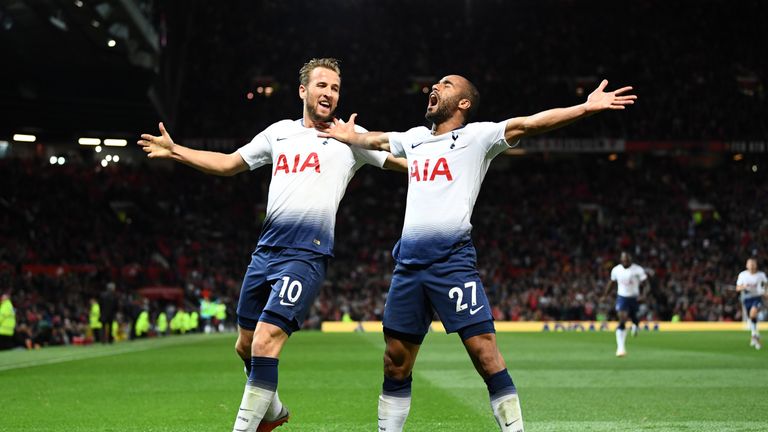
[298,164]
[426,171]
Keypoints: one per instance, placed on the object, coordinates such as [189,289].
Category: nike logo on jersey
[413,146]
[474,311]
[283,138]
[285,303]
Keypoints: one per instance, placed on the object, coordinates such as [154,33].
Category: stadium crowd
[547,228]
[547,231]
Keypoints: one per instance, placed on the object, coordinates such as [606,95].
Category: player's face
[625,260]
[751,265]
[321,94]
[444,99]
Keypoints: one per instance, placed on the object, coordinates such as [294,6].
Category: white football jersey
[445,174]
[755,283]
[309,178]
[628,279]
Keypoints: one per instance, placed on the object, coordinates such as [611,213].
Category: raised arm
[345,132]
[163,147]
[598,100]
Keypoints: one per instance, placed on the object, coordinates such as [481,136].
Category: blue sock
[247,363]
[500,384]
[397,388]
[263,373]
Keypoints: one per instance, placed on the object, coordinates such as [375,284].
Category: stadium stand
[548,226]
[547,230]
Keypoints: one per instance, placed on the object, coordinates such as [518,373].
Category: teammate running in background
[309,177]
[629,277]
[436,267]
[751,284]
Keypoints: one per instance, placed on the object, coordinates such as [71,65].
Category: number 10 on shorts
[458,294]
[291,291]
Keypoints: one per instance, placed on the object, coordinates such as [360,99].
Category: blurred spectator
[108,306]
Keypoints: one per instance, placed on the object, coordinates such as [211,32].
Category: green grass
[567,382]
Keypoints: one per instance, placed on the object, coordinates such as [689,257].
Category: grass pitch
[567,382]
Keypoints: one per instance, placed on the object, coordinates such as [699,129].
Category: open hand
[340,130]
[600,100]
[157,146]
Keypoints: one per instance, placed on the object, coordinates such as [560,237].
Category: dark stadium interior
[684,190]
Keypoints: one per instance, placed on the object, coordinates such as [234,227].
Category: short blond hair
[328,63]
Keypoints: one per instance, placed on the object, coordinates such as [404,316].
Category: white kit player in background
[436,266]
[309,178]
[751,283]
[629,277]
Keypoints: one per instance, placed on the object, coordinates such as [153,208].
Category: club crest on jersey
[424,171]
[312,161]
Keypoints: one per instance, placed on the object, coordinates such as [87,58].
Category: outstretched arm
[345,132]
[216,163]
[395,163]
[598,100]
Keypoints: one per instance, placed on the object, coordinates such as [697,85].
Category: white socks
[275,408]
[507,411]
[392,412]
[753,328]
[621,337]
[256,401]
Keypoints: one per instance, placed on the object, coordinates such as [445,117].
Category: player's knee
[485,354]
[262,344]
[243,348]
[396,365]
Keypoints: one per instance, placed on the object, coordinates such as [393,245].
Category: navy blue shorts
[451,287]
[279,287]
[628,304]
[751,302]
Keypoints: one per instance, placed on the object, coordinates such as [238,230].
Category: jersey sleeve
[491,135]
[641,274]
[614,277]
[740,279]
[396,145]
[364,156]
[258,152]
[370,157]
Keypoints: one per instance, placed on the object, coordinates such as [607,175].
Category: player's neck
[307,121]
[447,126]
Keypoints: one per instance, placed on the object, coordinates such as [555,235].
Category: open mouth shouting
[433,100]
